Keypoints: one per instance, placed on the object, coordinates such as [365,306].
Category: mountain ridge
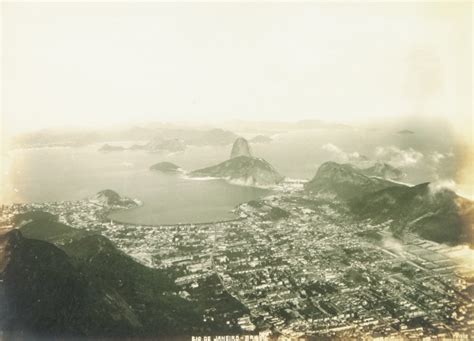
[89,288]
[344,180]
[439,215]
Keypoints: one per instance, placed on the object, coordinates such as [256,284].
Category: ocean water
[57,174]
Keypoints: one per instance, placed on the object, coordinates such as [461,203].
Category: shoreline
[177,224]
[107,219]
[184,175]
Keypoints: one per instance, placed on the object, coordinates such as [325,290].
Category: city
[302,265]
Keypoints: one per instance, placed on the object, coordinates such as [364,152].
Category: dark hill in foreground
[51,231]
[47,296]
[88,288]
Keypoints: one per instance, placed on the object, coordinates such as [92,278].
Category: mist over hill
[437,214]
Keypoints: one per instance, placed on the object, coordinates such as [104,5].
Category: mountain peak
[110,197]
[384,170]
[344,180]
[243,170]
[240,148]
[331,170]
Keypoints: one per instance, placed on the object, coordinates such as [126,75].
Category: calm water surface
[56,174]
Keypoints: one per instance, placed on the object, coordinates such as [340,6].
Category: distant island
[111,148]
[165,167]
[137,147]
[242,168]
[405,132]
[112,198]
[261,139]
[145,137]
[171,145]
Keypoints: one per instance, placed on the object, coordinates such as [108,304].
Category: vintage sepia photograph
[236,171]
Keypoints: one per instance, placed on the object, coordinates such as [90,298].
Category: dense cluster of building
[301,265]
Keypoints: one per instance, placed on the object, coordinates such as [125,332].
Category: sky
[97,64]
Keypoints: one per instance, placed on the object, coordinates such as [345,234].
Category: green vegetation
[372,235]
[276,213]
[87,287]
[244,169]
[345,181]
[405,269]
[255,204]
[33,215]
[48,296]
[439,215]
[436,216]
[111,197]
[51,231]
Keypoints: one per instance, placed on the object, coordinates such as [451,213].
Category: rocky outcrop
[242,168]
[240,148]
[383,170]
[344,181]
[112,198]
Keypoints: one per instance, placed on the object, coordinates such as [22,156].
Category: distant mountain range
[242,168]
[261,139]
[435,214]
[191,135]
[405,132]
[152,138]
[111,148]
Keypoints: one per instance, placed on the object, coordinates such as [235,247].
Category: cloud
[398,157]
[436,157]
[331,148]
[442,185]
[341,156]
[127,164]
